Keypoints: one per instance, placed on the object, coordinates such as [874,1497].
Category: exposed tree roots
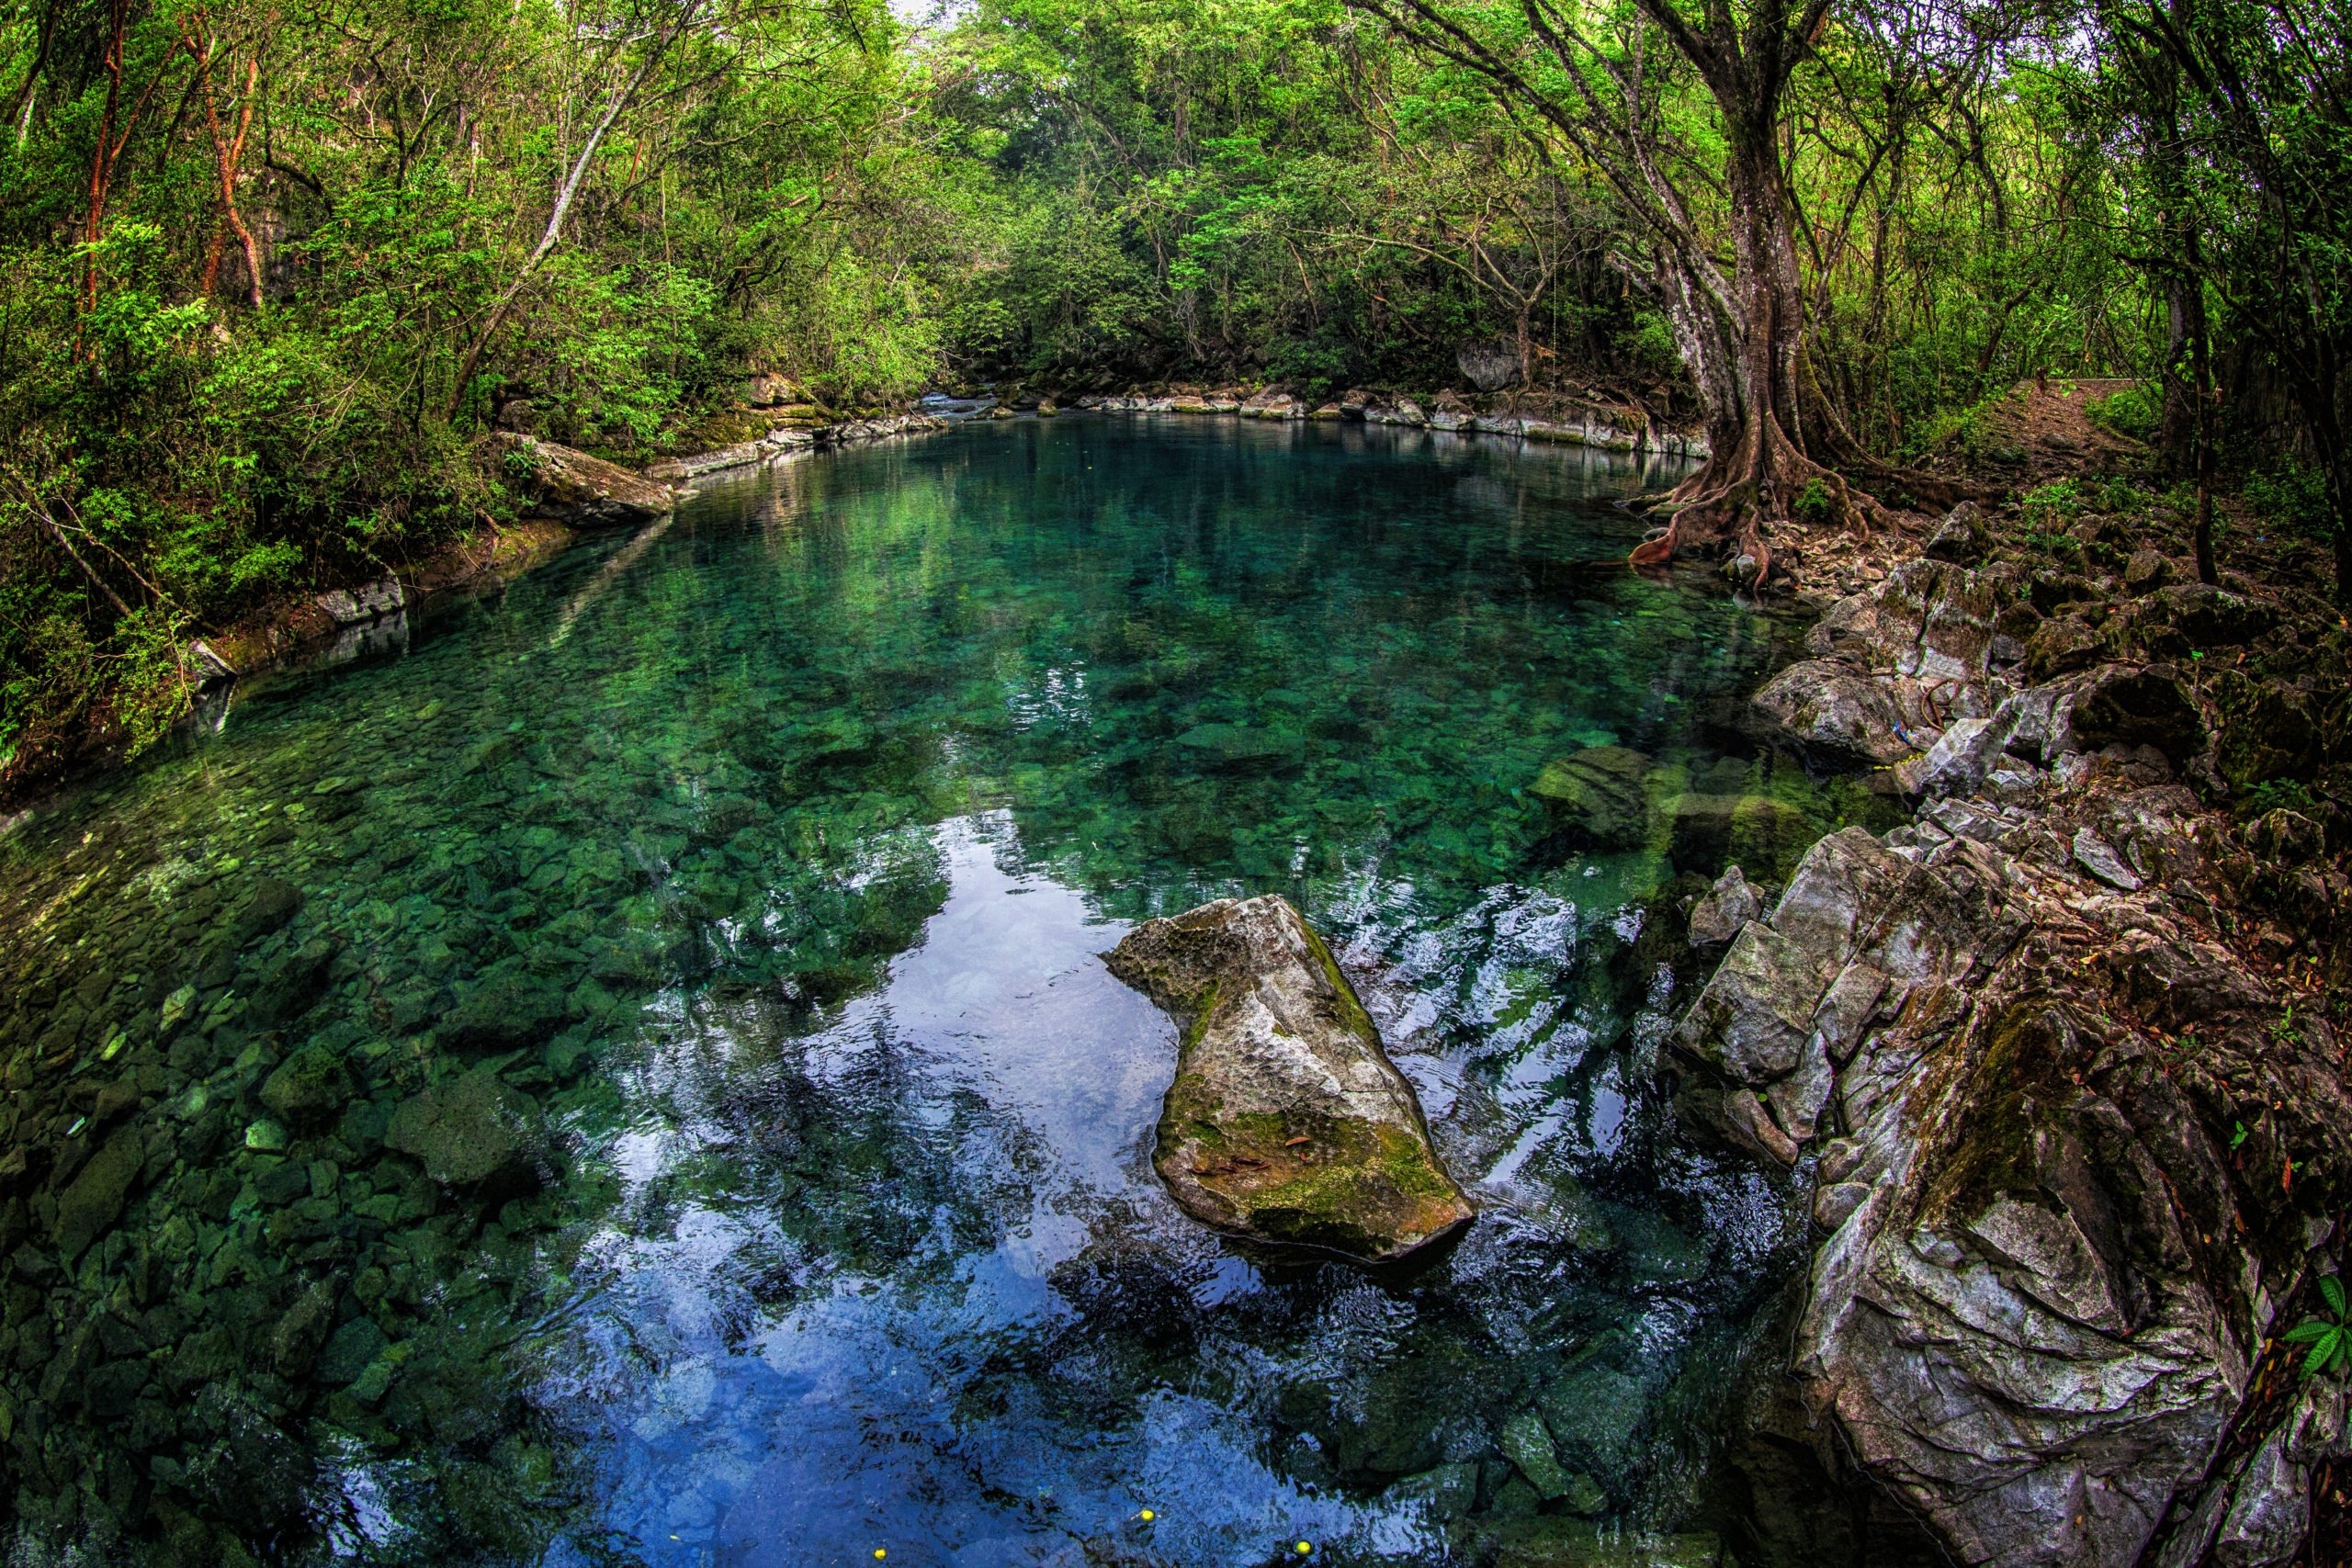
[1729,506]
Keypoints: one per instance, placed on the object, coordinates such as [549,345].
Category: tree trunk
[563,199]
[1773,438]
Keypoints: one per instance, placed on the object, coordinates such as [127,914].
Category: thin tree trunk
[2201,371]
[228,151]
[101,156]
[564,194]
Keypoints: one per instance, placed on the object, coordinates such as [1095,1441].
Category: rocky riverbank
[2062,1057]
[561,494]
[1527,416]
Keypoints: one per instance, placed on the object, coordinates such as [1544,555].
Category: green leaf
[2305,1332]
[2318,1358]
[2331,1289]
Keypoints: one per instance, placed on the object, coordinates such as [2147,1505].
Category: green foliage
[2054,507]
[2329,1335]
[2132,411]
[2271,795]
[762,200]
[1816,503]
[2292,498]
[1971,432]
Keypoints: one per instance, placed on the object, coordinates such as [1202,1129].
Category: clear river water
[621,1071]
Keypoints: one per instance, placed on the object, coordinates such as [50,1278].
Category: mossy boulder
[1596,796]
[1286,1123]
[2266,730]
[309,1087]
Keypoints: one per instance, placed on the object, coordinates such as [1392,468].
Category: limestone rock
[2026,1320]
[572,487]
[1489,366]
[1728,905]
[2138,707]
[2266,730]
[2187,616]
[1834,714]
[1595,796]
[1960,539]
[2146,571]
[1961,758]
[2061,646]
[1286,1121]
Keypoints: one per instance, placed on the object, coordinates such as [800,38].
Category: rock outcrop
[2074,1142]
[572,487]
[2035,1313]
[1286,1121]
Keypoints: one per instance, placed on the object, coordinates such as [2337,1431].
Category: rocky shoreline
[566,495]
[1549,419]
[2055,1056]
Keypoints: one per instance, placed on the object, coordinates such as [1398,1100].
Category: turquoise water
[620,1072]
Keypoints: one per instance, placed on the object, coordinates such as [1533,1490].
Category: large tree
[1685,108]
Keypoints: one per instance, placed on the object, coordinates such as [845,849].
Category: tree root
[1728,508]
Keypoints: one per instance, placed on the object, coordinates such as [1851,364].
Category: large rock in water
[1286,1121]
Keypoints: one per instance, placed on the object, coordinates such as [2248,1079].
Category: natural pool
[622,1075]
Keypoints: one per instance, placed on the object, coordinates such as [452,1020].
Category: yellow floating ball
[1303,1547]
[1146,1516]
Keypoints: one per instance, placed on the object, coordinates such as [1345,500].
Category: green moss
[2024,1070]
[1351,1014]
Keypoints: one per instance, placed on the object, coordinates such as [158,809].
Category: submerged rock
[310,1086]
[1595,796]
[475,1131]
[1286,1121]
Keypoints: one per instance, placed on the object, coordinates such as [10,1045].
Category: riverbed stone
[508,1007]
[88,1208]
[1286,1121]
[475,1131]
[308,1088]
[1595,796]
[1705,831]
[1527,1443]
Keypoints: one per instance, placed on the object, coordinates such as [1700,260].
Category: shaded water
[625,1075]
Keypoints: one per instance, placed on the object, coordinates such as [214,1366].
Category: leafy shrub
[2291,497]
[2329,1337]
[1816,503]
[2133,412]
[2054,507]
[1649,343]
